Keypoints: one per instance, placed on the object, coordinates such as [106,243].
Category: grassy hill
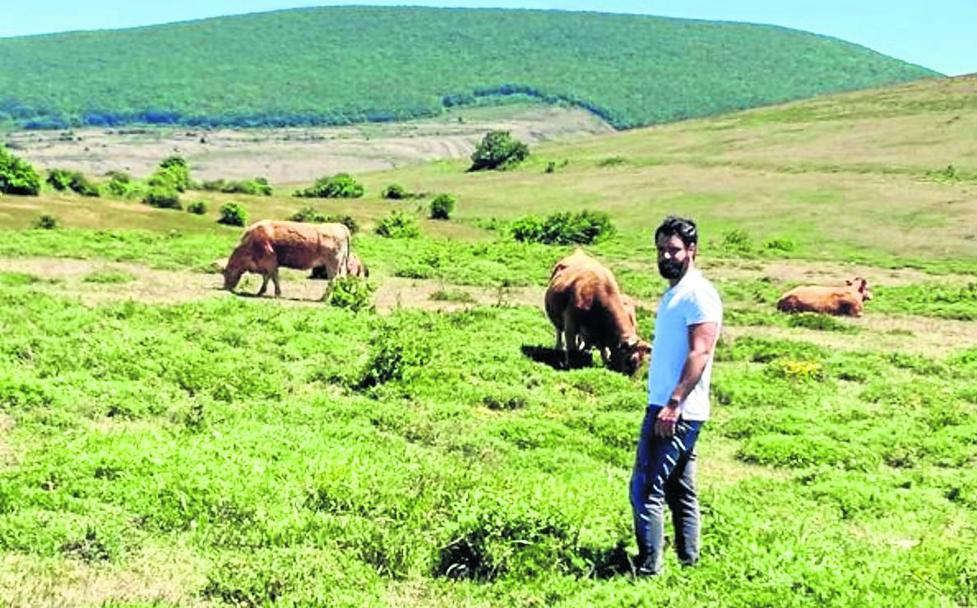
[163,443]
[340,65]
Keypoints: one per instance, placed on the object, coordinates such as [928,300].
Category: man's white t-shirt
[691,301]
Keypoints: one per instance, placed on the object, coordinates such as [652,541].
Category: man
[686,329]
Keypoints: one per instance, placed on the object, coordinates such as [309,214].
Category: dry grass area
[298,154]
[154,576]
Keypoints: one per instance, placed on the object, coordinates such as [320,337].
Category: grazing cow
[354,268]
[269,244]
[587,309]
[847,300]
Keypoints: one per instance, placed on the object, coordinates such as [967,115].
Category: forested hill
[339,65]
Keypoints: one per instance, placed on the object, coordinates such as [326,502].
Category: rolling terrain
[341,65]
[164,442]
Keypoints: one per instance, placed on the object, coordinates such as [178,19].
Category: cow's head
[232,274]
[861,286]
[628,356]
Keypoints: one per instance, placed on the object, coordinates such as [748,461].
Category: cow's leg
[274,278]
[559,339]
[264,285]
[571,339]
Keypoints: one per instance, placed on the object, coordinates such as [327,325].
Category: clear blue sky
[938,34]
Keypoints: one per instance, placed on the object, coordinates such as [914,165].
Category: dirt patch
[73,278]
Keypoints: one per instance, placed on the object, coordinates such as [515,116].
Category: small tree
[442,206]
[197,207]
[308,215]
[498,150]
[233,214]
[17,176]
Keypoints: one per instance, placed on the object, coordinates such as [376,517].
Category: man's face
[673,257]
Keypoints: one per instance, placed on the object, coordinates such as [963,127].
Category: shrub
[232,214]
[341,185]
[346,220]
[121,184]
[17,176]
[498,150]
[258,186]
[173,173]
[162,198]
[442,206]
[565,228]
[59,179]
[197,207]
[350,292]
[47,222]
[398,350]
[398,225]
[62,179]
[308,215]
[737,239]
[395,192]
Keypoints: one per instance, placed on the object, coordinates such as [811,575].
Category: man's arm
[702,342]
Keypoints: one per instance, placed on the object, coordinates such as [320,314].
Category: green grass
[234,70]
[241,451]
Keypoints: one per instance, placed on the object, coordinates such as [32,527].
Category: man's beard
[671,269]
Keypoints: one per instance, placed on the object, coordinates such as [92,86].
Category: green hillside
[351,64]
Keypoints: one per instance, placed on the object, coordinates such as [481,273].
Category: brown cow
[847,300]
[269,244]
[585,306]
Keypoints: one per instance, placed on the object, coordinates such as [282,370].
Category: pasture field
[165,443]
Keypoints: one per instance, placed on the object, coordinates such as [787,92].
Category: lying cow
[354,268]
[269,244]
[847,300]
[587,309]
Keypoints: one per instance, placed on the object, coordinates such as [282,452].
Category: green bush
[350,292]
[395,192]
[162,198]
[308,215]
[442,206]
[737,240]
[346,220]
[121,184]
[498,150]
[47,222]
[398,225]
[197,207]
[62,179]
[232,214]
[341,185]
[173,173]
[398,350]
[565,228]
[258,186]
[17,176]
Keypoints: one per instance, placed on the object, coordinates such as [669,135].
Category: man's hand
[667,419]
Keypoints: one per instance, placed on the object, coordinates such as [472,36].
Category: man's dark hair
[680,227]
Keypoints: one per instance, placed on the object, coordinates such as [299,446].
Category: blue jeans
[664,472]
